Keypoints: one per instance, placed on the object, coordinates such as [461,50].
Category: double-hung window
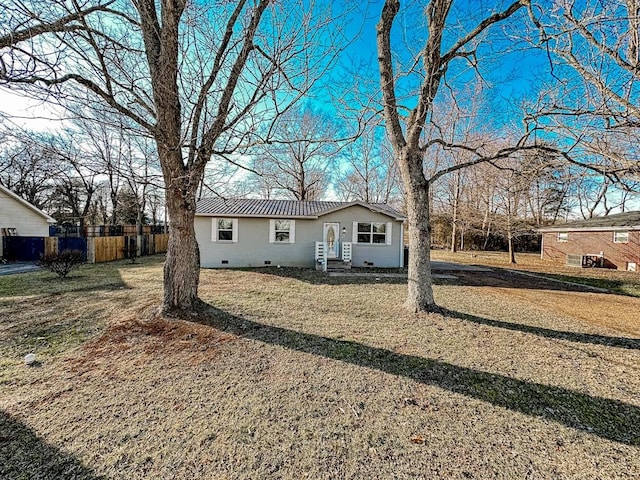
[620,237]
[224,230]
[374,233]
[282,231]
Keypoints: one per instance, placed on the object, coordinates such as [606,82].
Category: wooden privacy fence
[59,244]
[31,249]
[94,249]
[122,230]
[107,249]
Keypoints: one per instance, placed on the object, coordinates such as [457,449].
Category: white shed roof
[21,200]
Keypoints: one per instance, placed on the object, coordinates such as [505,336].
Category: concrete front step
[338,266]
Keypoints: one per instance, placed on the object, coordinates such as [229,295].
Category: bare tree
[483,199]
[199,78]
[405,131]
[455,220]
[299,159]
[371,174]
[105,148]
[27,166]
[513,183]
[550,188]
[591,104]
[75,184]
[595,194]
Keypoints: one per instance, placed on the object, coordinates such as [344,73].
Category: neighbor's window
[563,237]
[224,230]
[282,231]
[620,237]
[372,232]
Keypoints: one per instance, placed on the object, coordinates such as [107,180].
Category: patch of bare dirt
[148,337]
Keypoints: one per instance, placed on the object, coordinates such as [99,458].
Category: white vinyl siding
[26,221]
[224,230]
[282,231]
[620,237]
[254,248]
[373,233]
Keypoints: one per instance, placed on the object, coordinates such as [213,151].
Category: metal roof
[618,221]
[245,207]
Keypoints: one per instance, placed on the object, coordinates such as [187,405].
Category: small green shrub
[62,263]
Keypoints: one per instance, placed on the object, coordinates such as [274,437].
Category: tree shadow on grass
[49,284]
[620,342]
[24,455]
[512,279]
[317,277]
[494,277]
[610,419]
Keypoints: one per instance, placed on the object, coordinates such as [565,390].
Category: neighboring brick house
[612,241]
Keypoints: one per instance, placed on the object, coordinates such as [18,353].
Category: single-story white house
[252,233]
[20,218]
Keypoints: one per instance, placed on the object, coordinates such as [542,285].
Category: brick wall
[616,255]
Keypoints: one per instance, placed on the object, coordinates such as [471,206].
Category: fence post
[51,245]
[91,249]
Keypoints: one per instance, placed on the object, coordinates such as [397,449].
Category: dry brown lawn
[290,374]
[619,281]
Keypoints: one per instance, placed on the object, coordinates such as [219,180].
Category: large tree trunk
[182,264]
[420,289]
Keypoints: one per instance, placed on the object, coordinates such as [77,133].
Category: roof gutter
[245,215]
[589,229]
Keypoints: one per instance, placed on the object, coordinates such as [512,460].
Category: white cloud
[24,112]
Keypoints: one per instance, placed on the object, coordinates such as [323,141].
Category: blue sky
[508,76]
[511,70]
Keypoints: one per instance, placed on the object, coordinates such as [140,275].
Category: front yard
[291,374]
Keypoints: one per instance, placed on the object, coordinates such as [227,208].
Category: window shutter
[388,231]
[234,234]
[292,231]
[354,233]
[214,229]
[272,231]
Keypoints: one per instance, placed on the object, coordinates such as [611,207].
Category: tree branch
[60,25]
[385,62]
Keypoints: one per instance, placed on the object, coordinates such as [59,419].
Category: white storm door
[330,237]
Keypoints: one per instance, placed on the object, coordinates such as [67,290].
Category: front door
[331,237]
